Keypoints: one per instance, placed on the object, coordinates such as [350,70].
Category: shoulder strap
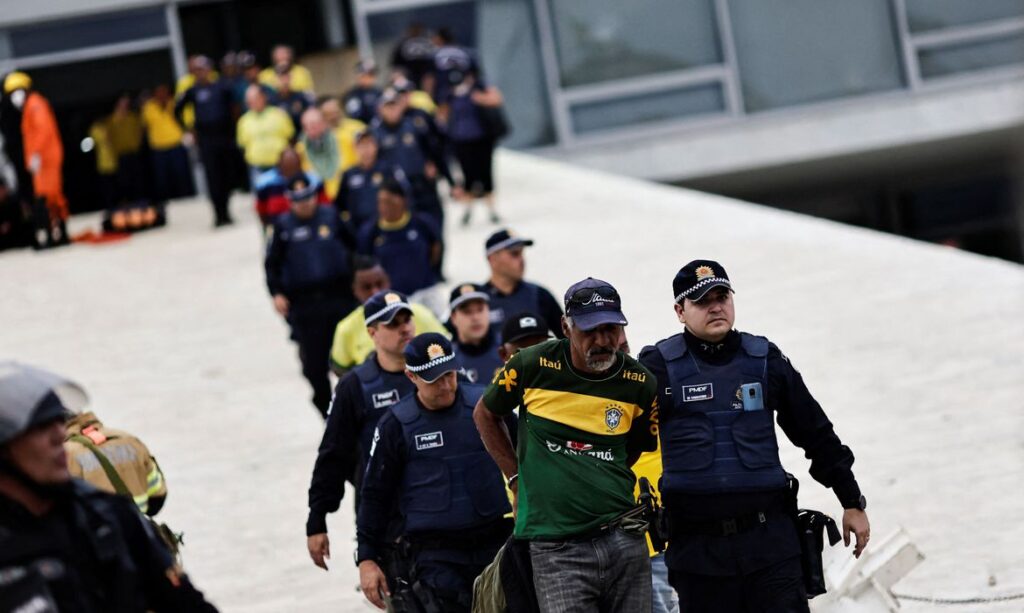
[108,468]
[672,348]
[755,346]
[368,370]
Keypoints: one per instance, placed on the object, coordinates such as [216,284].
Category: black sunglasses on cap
[591,295]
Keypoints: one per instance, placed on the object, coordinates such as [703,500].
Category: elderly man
[587,410]
[318,148]
[58,535]
[733,545]
[263,133]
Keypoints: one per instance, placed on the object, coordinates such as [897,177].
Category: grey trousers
[608,574]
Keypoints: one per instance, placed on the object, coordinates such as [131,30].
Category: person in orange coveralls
[44,156]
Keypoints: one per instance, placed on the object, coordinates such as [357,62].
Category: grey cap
[30,396]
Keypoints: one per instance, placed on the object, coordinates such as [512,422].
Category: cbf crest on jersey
[613,416]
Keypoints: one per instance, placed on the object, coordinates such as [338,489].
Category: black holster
[811,527]
[654,515]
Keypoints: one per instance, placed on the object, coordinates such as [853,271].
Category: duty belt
[721,527]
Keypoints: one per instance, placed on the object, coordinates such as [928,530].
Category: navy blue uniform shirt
[405,251]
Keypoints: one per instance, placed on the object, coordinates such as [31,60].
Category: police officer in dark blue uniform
[357,195]
[733,543]
[474,337]
[409,145]
[360,102]
[215,114]
[309,275]
[360,399]
[509,292]
[407,244]
[428,456]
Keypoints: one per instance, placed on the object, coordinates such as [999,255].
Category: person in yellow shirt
[106,162]
[171,175]
[124,129]
[345,131]
[352,343]
[282,59]
[263,132]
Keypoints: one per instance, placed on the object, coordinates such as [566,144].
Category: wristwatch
[860,504]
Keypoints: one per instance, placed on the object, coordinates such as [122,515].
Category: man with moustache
[586,411]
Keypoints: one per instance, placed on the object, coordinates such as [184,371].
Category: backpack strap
[108,468]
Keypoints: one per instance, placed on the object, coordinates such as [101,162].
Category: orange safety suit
[41,137]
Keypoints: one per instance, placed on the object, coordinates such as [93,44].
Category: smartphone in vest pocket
[753,397]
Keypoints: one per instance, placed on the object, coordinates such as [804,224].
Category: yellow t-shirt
[162,129]
[649,465]
[302,80]
[346,136]
[420,99]
[352,343]
[125,133]
[106,157]
[264,135]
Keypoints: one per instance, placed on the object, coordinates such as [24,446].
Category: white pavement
[914,350]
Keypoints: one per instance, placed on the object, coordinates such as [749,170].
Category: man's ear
[565,327]
[680,313]
[412,376]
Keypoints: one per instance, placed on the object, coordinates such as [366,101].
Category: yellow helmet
[17,80]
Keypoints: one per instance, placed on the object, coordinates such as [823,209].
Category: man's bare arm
[496,439]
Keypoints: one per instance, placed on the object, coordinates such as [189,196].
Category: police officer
[428,457]
[408,244]
[309,276]
[360,398]
[408,145]
[733,543]
[215,115]
[360,102]
[474,339]
[65,546]
[509,292]
[357,194]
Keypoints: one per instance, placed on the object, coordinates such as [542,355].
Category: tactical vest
[381,390]
[709,443]
[400,146]
[315,257]
[450,482]
[526,299]
[479,367]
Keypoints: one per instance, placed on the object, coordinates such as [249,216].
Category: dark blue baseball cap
[382,307]
[302,187]
[466,292]
[505,239]
[593,302]
[429,356]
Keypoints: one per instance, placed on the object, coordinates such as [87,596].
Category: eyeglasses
[592,295]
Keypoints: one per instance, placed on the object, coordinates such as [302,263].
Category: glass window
[92,31]
[599,40]
[966,57]
[647,108]
[924,15]
[504,37]
[797,51]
